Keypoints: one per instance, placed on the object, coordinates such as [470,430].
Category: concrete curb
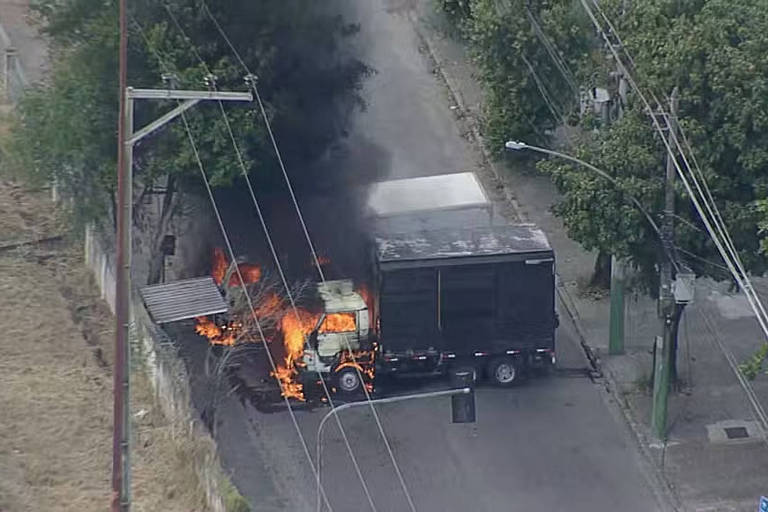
[660,486]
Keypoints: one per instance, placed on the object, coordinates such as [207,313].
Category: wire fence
[14,80]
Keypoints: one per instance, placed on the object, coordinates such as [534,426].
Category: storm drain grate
[736,432]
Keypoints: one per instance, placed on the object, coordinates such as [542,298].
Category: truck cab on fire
[340,346]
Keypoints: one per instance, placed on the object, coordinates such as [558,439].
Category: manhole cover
[736,432]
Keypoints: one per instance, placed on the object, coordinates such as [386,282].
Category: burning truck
[327,335]
[450,287]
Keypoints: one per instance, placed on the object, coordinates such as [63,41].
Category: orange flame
[290,387]
[270,305]
[219,266]
[251,273]
[224,335]
[294,325]
[339,322]
[367,296]
[363,359]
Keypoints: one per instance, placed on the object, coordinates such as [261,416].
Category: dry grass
[56,388]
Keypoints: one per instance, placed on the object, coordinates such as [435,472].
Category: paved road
[549,444]
[552,444]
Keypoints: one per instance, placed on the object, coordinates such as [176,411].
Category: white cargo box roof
[428,193]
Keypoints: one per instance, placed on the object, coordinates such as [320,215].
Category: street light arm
[335,410]
[516,145]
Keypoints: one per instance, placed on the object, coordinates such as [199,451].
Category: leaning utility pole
[664,352]
[121,474]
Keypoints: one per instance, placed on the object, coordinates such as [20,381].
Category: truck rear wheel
[504,371]
[348,380]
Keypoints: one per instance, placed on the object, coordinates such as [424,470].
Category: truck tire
[504,371]
[347,381]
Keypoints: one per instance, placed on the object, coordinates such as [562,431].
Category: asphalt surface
[553,443]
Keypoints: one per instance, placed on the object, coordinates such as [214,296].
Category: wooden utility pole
[127,138]
[121,375]
[664,349]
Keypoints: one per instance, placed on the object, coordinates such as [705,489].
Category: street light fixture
[616,325]
[661,373]
[517,145]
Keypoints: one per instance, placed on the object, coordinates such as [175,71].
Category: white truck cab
[344,325]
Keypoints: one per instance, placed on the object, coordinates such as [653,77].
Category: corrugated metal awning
[170,302]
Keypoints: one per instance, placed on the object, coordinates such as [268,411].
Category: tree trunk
[156,257]
[601,277]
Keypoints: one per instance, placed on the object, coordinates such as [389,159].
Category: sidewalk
[700,464]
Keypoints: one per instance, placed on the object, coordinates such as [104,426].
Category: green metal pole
[661,382]
[616,330]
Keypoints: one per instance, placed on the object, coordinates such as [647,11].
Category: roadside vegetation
[65,129]
[538,60]
[56,381]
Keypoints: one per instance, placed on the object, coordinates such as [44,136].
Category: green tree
[524,51]
[713,50]
[308,78]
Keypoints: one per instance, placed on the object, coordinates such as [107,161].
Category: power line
[553,109]
[275,258]
[708,198]
[743,382]
[726,249]
[249,301]
[741,277]
[390,452]
[231,252]
[560,63]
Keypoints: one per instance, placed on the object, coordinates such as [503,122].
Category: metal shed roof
[446,191]
[457,243]
[170,302]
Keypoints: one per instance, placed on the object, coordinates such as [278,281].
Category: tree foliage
[712,50]
[66,128]
[509,42]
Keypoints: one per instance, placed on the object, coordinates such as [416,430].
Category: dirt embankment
[56,338]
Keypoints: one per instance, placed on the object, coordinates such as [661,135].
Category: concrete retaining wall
[152,350]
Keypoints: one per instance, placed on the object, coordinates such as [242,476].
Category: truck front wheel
[504,371]
[348,380]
